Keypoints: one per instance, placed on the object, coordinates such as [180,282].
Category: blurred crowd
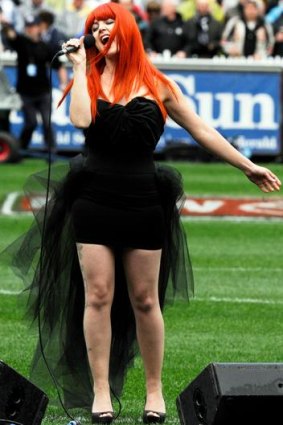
[171,28]
[36,29]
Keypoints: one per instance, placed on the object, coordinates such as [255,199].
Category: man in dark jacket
[166,34]
[203,32]
[33,59]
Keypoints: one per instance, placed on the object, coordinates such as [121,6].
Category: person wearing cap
[33,61]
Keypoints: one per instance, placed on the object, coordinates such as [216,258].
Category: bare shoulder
[177,106]
[172,97]
[167,92]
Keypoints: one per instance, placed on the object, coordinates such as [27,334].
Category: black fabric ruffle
[50,270]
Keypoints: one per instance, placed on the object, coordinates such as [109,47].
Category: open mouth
[104,39]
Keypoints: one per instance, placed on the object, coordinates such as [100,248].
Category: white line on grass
[239,300]
[238,269]
[8,203]
[231,218]
[211,299]
[8,292]
[8,206]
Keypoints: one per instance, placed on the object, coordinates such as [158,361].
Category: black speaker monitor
[20,400]
[234,394]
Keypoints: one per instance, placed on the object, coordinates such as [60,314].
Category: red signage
[193,206]
[222,206]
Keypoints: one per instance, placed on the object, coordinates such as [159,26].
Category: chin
[112,52]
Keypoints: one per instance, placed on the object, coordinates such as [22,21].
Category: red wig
[133,69]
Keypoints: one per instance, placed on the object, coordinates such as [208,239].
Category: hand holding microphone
[75,44]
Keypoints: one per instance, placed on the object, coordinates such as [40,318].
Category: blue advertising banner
[245,107]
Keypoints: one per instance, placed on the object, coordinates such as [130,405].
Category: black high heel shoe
[152,417]
[102,417]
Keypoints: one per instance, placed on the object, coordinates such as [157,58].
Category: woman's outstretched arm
[179,110]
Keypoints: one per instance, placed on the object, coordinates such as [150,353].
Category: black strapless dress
[114,195]
[118,203]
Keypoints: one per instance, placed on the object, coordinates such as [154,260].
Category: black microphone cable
[73,421]
[44,222]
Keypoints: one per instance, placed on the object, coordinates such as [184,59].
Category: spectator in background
[33,85]
[203,32]
[278,36]
[50,34]
[153,10]
[250,35]
[273,11]
[56,5]
[8,10]
[8,16]
[228,5]
[236,10]
[134,8]
[28,8]
[8,100]
[274,17]
[187,9]
[72,19]
[166,34]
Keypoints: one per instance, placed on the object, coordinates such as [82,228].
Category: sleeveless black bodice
[124,137]
[118,202]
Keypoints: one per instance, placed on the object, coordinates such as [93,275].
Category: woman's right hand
[79,56]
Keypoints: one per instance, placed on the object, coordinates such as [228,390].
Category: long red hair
[133,68]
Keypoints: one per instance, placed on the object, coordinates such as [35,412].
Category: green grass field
[236,315]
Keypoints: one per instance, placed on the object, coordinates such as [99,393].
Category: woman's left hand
[263,178]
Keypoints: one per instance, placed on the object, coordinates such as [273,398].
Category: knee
[98,295]
[143,302]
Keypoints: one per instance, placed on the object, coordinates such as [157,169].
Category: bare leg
[142,271]
[97,266]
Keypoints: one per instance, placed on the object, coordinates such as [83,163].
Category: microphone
[89,41]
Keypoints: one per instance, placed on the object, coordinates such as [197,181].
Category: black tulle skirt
[54,288]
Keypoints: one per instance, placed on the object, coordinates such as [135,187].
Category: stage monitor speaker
[20,400]
[234,394]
